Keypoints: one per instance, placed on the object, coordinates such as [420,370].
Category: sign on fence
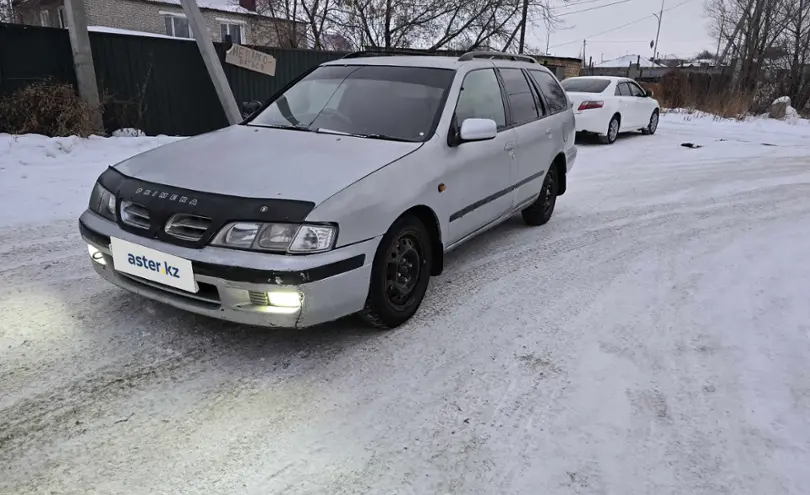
[254,60]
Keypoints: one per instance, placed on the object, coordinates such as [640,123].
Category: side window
[623,90]
[635,90]
[555,96]
[481,98]
[521,99]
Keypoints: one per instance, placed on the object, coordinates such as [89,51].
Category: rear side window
[622,90]
[481,98]
[552,91]
[585,85]
[521,99]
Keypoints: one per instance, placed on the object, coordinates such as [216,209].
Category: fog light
[285,299]
[96,255]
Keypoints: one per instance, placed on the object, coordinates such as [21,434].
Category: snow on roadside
[792,119]
[44,178]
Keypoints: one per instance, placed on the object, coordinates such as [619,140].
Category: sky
[684,31]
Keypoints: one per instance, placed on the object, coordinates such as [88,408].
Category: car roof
[603,78]
[432,61]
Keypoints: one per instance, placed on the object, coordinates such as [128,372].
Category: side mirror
[250,107]
[478,130]
[649,93]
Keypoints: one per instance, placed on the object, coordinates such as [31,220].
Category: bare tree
[751,30]
[796,42]
[426,24]
[6,11]
[768,43]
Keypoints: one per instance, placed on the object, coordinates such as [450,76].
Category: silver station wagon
[341,194]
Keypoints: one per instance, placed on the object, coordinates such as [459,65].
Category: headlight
[277,237]
[102,202]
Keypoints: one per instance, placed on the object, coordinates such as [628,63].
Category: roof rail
[509,56]
[383,52]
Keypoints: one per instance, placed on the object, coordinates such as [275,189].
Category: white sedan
[606,106]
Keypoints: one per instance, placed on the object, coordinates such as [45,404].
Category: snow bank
[129,32]
[688,114]
[52,177]
[128,132]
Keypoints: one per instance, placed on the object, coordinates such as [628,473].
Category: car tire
[653,125]
[399,275]
[540,212]
[612,131]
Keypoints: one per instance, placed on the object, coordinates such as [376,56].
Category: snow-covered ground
[652,339]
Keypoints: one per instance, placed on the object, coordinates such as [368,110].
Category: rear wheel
[539,212]
[399,275]
[653,125]
[612,131]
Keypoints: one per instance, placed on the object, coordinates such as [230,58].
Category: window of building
[234,29]
[62,20]
[177,26]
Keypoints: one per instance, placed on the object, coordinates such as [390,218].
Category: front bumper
[332,284]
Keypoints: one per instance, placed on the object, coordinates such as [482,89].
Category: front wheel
[539,212]
[399,275]
[653,125]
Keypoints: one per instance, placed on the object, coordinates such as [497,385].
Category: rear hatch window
[583,85]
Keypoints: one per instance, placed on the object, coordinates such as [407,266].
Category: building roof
[129,32]
[231,6]
[555,57]
[624,62]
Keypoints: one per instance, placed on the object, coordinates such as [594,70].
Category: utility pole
[523,25]
[584,44]
[548,39]
[209,55]
[660,17]
[83,60]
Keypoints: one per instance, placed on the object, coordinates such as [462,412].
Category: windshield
[398,103]
[585,85]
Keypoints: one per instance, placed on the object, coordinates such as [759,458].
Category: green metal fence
[158,85]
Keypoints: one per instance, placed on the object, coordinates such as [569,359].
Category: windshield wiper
[365,136]
[284,126]
[384,137]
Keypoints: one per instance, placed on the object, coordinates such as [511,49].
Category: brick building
[237,18]
[571,67]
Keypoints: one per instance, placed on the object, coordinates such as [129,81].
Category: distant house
[568,66]
[626,61]
[633,66]
[335,42]
[237,18]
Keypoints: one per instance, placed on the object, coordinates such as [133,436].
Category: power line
[594,8]
[577,4]
[622,26]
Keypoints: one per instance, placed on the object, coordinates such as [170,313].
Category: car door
[625,108]
[533,135]
[559,114]
[642,105]
[479,173]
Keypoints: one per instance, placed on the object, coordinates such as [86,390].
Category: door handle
[509,146]
[549,133]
